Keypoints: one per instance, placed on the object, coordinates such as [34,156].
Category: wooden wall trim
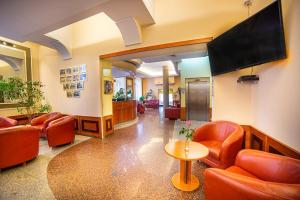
[253,136]
[108,125]
[156,47]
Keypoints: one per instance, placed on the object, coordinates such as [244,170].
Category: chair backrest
[221,130]
[7,122]
[269,167]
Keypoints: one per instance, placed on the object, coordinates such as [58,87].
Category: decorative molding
[156,47]
[256,139]
[89,126]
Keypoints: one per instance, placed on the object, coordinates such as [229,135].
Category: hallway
[130,164]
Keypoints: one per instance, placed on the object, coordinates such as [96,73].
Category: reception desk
[124,111]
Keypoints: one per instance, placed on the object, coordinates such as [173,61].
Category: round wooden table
[184,180]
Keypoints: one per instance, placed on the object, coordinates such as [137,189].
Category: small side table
[184,180]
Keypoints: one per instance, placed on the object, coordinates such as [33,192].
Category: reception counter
[124,111]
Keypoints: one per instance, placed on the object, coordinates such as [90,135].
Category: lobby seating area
[149,100]
[255,175]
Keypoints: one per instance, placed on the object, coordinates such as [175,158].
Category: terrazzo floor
[130,164]
[30,182]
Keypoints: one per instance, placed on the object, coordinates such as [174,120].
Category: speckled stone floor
[130,164]
[30,182]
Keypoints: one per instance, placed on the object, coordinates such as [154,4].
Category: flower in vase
[187,131]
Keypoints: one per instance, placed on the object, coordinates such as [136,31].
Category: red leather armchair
[140,108]
[223,139]
[172,113]
[17,145]
[7,122]
[255,175]
[153,103]
[61,131]
[42,121]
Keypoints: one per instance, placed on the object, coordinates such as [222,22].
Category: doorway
[198,99]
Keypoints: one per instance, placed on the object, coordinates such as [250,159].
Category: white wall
[276,99]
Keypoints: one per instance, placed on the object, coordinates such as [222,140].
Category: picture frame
[69,79]
[72,86]
[108,87]
[62,79]
[75,70]
[76,93]
[80,85]
[83,76]
[62,72]
[66,86]
[69,94]
[76,77]
[69,71]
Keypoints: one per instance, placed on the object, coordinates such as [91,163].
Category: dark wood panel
[256,139]
[89,126]
[124,111]
[108,125]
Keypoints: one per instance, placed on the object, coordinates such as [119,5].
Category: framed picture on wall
[69,71]
[66,86]
[75,77]
[69,94]
[69,79]
[62,72]
[76,93]
[62,79]
[73,86]
[108,87]
[83,68]
[80,85]
[75,70]
[82,77]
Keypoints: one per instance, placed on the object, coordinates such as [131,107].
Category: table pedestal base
[184,180]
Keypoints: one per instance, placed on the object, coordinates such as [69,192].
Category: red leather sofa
[61,131]
[255,175]
[172,113]
[153,103]
[7,122]
[223,139]
[42,121]
[18,144]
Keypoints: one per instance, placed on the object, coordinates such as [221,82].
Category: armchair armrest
[60,121]
[269,167]
[38,120]
[221,184]
[230,148]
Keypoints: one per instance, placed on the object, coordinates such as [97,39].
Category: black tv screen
[257,40]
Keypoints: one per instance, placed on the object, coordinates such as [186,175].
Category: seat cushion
[214,148]
[238,170]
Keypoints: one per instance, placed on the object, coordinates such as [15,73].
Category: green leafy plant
[142,98]
[120,95]
[187,131]
[27,95]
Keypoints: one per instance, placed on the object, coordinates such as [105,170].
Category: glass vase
[187,145]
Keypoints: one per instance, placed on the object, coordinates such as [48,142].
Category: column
[166,85]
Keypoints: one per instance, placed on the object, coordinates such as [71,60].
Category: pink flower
[188,123]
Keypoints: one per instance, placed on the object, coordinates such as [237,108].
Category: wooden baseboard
[256,139]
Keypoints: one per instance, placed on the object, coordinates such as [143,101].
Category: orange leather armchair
[17,145]
[42,121]
[7,122]
[255,175]
[61,131]
[223,139]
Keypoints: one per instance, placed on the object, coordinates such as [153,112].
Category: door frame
[189,80]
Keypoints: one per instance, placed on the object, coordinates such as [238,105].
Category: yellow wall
[148,83]
[106,99]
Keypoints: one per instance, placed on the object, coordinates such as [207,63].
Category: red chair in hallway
[255,175]
[18,144]
[153,103]
[223,139]
[140,108]
[172,113]
[7,122]
[61,131]
[42,121]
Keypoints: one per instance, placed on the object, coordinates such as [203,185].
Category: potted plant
[27,95]
[188,132]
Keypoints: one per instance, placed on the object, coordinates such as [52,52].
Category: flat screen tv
[257,40]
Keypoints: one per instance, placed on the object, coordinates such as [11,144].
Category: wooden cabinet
[124,111]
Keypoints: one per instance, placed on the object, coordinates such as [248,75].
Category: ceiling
[155,69]
[30,20]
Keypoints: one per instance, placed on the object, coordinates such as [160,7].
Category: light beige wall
[276,97]
[34,48]
[148,83]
